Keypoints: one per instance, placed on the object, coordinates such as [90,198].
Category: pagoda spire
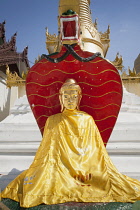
[10,56]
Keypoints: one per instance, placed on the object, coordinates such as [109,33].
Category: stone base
[72,206]
[3,207]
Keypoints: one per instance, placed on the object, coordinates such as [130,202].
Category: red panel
[100,82]
[69,28]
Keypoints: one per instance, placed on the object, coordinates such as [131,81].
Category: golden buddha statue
[71,163]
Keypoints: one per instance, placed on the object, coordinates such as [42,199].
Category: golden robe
[71,164]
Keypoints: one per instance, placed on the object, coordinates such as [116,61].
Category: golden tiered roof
[12,63]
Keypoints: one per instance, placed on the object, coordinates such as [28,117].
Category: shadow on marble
[6,179]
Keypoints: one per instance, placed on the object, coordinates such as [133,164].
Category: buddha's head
[70,95]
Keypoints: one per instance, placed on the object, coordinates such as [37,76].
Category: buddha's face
[70,99]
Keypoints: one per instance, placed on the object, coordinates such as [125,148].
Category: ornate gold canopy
[13,79]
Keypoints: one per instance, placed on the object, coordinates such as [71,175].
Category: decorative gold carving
[51,42]
[13,79]
[105,40]
[106,35]
[91,30]
[118,62]
[132,75]
[92,41]
[38,59]
[131,81]
[96,24]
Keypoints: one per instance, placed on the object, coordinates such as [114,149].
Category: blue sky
[29,18]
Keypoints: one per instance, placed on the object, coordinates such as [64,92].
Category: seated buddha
[71,163]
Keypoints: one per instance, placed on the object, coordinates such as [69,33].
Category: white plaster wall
[21,91]
[13,96]
[4,97]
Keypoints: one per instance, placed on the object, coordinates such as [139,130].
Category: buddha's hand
[83,178]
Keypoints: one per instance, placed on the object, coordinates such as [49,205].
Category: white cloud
[123,30]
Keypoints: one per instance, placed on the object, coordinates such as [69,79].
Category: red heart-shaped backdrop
[99,80]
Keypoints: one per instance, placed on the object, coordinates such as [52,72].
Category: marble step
[117,148]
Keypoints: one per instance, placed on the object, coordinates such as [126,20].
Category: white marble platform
[20,138]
